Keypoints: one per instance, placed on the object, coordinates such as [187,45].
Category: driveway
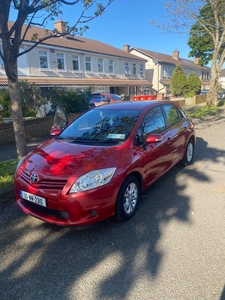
[173,248]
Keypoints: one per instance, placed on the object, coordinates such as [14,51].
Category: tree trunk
[212,95]
[16,110]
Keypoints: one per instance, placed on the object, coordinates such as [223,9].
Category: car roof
[139,105]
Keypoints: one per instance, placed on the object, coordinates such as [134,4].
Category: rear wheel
[189,154]
[128,198]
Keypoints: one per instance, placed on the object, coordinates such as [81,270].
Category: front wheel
[128,198]
[188,154]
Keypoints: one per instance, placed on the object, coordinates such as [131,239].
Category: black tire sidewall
[119,209]
[185,161]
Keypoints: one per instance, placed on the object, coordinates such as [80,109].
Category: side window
[172,114]
[154,121]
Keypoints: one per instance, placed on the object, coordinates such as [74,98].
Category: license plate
[33,198]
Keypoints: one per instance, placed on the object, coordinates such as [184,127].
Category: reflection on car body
[99,165]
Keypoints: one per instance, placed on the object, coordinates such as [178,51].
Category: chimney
[196,60]
[126,48]
[60,26]
[176,54]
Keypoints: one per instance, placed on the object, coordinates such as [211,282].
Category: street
[173,248]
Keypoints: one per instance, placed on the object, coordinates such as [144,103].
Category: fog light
[94,213]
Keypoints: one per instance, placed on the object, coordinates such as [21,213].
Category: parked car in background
[99,165]
[112,97]
[97,99]
[204,92]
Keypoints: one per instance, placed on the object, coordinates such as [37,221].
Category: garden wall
[37,127]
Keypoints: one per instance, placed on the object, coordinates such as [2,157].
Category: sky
[127,22]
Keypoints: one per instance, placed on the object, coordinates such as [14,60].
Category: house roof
[75,42]
[165,58]
[54,81]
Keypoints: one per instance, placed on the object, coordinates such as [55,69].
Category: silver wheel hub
[130,198]
[189,152]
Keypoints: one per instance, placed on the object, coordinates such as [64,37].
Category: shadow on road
[42,261]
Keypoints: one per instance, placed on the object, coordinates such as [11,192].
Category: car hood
[61,158]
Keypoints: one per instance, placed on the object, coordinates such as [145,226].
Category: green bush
[73,101]
[4,104]
[178,82]
[31,98]
[193,85]
[220,103]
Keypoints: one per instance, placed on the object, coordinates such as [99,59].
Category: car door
[177,126]
[157,156]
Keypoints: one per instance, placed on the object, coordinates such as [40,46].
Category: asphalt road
[173,248]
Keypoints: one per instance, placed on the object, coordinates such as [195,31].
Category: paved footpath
[8,151]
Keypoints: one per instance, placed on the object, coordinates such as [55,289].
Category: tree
[193,85]
[207,41]
[35,12]
[178,82]
[205,23]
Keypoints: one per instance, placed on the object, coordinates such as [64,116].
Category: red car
[100,164]
[112,97]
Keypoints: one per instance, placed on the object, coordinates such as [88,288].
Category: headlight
[92,180]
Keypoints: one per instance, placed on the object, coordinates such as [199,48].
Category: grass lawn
[199,112]
[7,168]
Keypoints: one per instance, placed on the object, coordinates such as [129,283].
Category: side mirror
[153,138]
[54,131]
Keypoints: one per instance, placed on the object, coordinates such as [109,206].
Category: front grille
[59,214]
[56,184]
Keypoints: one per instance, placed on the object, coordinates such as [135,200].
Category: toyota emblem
[34,178]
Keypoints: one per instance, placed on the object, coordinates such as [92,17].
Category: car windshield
[105,125]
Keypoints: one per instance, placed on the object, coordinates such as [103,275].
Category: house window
[127,69]
[75,60]
[145,90]
[134,69]
[141,69]
[88,64]
[60,61]
[163,71]
[43,59]
[100,65]
[111,71]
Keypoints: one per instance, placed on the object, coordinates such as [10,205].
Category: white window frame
[127,68]
[134,69]
[76,58]
[58,57]
[100,65]
[88,62]
[43,53]
[141,69]
[111,66]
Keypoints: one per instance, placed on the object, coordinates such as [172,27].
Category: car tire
[128,198]
[188,154]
